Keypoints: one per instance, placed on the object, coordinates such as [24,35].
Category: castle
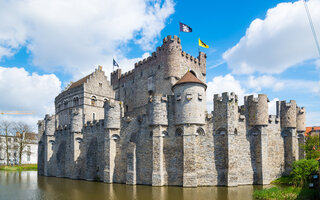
[150,126]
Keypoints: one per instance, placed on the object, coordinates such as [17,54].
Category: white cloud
[22,91]
[76,35]
[265,81]
[269,82]
[220,84]
[283,39]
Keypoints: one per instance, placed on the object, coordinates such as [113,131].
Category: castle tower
[158,123]
[257,115]
[41,128]
[75,139]
[288,117]
[49,141]
[225,123]
[203,62]
[190,105]
[301,128]
[113,112]
[171,54]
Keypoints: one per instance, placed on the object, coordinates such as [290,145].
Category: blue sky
[255,46]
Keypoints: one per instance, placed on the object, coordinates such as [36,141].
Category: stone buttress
[113,112]
[225,119]
[257,115]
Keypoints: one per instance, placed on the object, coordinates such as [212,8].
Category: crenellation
[151,126]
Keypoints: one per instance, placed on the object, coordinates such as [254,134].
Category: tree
[312,147]
[6,127]
[23,136]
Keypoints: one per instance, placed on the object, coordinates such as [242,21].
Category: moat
[28,185]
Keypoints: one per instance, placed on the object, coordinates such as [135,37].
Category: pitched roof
[79,82]
[189,77]
[309,130]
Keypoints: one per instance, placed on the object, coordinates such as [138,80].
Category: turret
[190,100]
[288,115]
[203,62]
[115,76]
[49,124]
[257,109]
[76,120]
[112,112]
[301,119]
[171,53]
[158,110]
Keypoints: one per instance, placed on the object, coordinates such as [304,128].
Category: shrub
[301,171]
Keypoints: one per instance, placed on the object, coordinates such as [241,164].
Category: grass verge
[286,193]
[27,167]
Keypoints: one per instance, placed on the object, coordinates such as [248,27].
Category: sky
[254,47]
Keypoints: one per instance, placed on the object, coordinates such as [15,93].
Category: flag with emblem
[202,44]
[115,64]
[185,28]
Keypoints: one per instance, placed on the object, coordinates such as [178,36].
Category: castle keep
[150,126]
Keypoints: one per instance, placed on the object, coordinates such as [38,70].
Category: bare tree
[23,136]
[6,127]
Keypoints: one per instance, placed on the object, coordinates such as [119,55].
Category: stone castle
[150,126]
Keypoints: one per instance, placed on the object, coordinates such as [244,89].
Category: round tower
[257,110]
[190,100]
[301,119]
[288,115]
[158,110]
[112,113]
[76,120]
[171,55]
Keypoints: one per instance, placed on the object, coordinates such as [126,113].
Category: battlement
[273,119]
[170,51]
[225,97]
[94,126]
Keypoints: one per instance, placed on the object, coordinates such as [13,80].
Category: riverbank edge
[25,167]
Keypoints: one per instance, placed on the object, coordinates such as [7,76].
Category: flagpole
[179,30]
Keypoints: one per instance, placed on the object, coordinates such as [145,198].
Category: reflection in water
[27,185]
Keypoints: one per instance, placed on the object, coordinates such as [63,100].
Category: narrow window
[150,83]
[93,100]
[100,85]
[93,116]
[28,158]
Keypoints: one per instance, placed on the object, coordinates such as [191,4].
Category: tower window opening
[93,100]
[100,85]
[93,116]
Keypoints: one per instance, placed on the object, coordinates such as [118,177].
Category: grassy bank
[29,167]
[286,193]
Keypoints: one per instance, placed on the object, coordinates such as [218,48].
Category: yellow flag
[202,44]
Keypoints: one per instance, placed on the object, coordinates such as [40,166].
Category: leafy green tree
[312,147]
[301,171]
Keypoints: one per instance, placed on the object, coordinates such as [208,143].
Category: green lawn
[26,167]
[286,193]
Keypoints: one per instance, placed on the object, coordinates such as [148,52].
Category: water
[27,185]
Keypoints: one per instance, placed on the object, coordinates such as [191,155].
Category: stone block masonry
[150,126]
